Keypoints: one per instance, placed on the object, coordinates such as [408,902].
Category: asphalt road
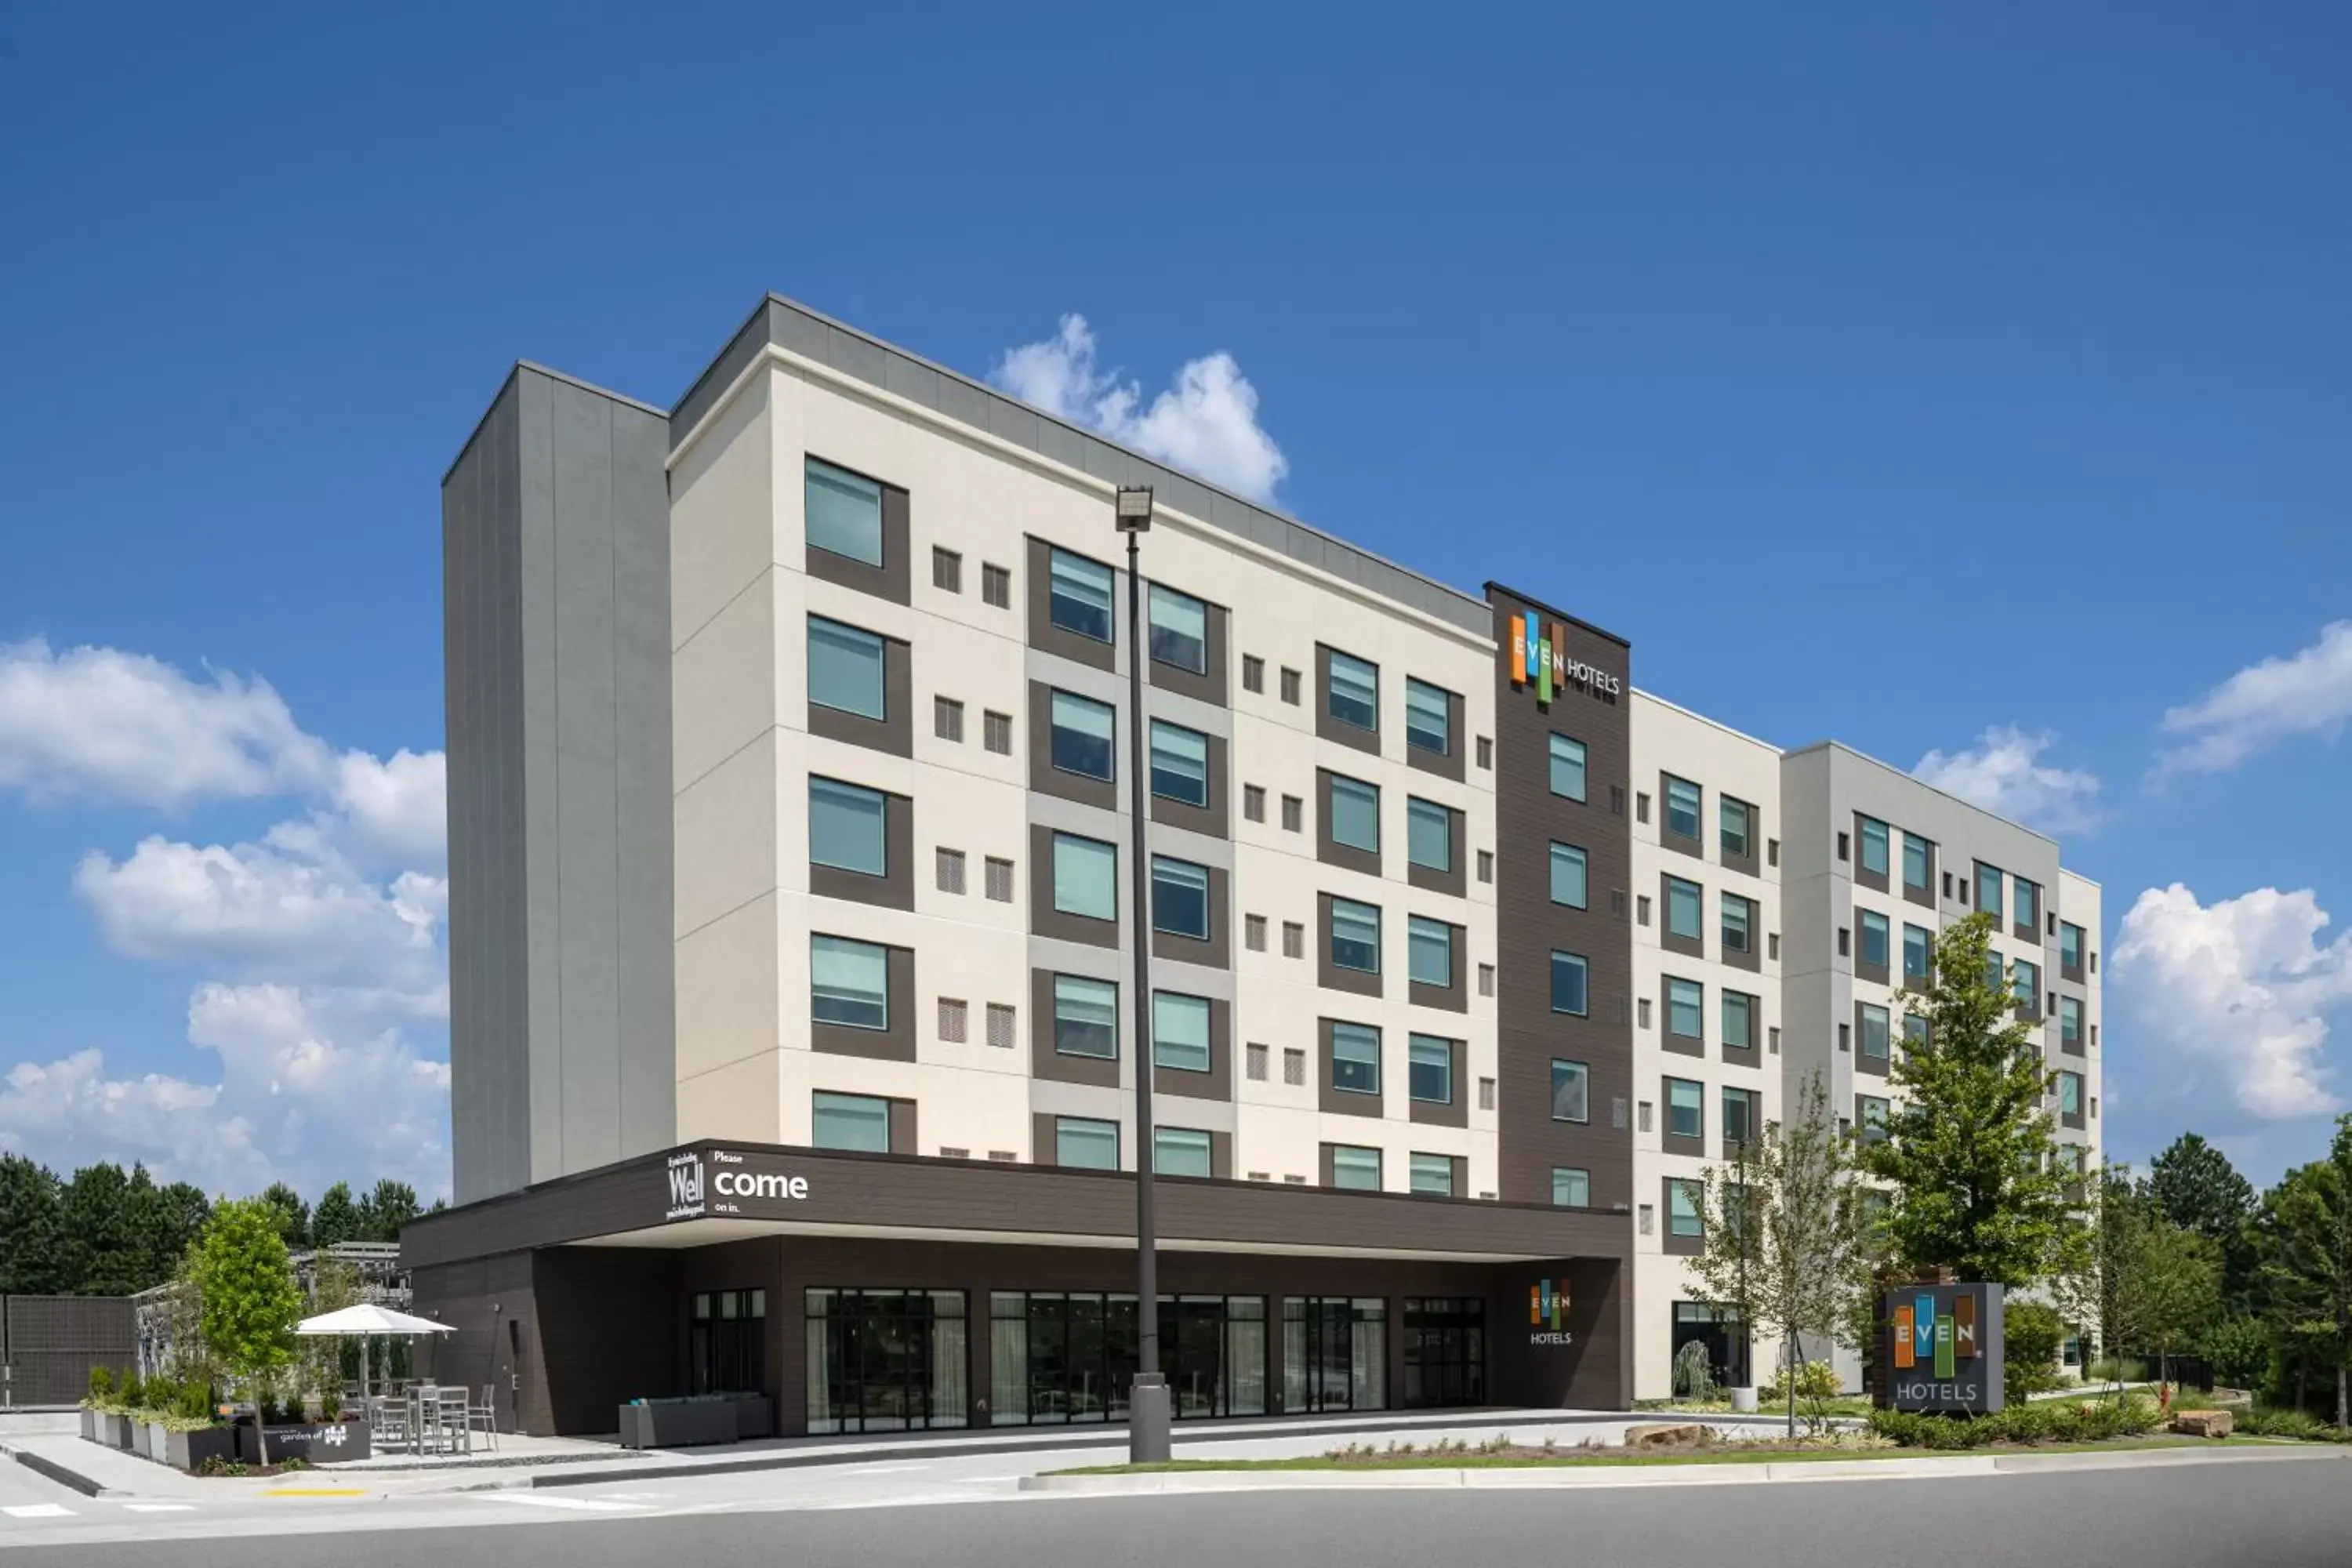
[2278,1515]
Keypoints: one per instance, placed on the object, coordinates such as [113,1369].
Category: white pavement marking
[533,1499]
[38,1511]
[159,1507]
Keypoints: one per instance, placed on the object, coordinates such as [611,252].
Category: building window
[1077,595]
[1683,799]
[1254,1054]
[2070,1021]
[1355,1169]
[1293,813]
[1086,1144]
[1179,898]
[1571,1187]
[947,569]
[1294,1066]
[849,982]
[1059,1358]
[1000,879]
[1180,630]
[1739,924]
[1253,803]
[1915,1029]
[1431,1176]
[955,1019]
[1989,890]
[1873,1117]
[1252,674]
[1917,854]
[996,586]
[1485,752]
[1355,1058]
[2069,946]
[1428,834]
[1429,951]
[728,1344]
[947,718]
[1294,939]
[1918,945]
[1290,685]
[845,668]
[2025,984]
[1180,1152]
[1180,763]
[1736,822]
[1873,845]
[1739,1117]
[1254,932]
[1179,1032]
[2025,902]
[1874,932]
[1568,875]
[1685,1108]
[1739,1021]
[1355,814]
[1086,878]
[1080,740]
[1568,768]
[1428,716]
[996,732]
[1571,1084]
[1682,1208]
[2070,1094]
[1355,936]
[1685,1009]
[1684,901]
[1085,1017]
[1354,695]
[860,1122]
[1003,1023]
[1430,1072]
[1486,864]
[843,513]
[846,827]
[950,870]
[1570,977]
[1876,1039]
[1486,980]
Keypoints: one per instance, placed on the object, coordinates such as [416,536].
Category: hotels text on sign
[1539,658]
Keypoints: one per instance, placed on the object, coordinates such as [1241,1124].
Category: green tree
[2170,1288]
[31,1260]
[1970,1157]
[1785,1238]
[250,1300]
[2033,1333]
[384,1211]
[171,1220]
[337,1218]
[2197,1188]
[2304,1275]
[101,1253]
[293,1215]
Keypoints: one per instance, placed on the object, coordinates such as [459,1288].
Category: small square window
[1649,1219]
[1293,812]
[1294,1066]
[950,870]
[1843,846]
[1000,879]
[1294,939]
[1254,803]
[1485,1094]
[996,586]
[1253,673]
[1772,946]
[1642,1116]
[1486,864]
[1642,806]
[1486,980]
[1254,932]
[996,732]
[1771,852]
[1003,1022]
[1290,687]
[947,571]
[954,1018]
[1486,752]
[946,718]
[1641,1010]
[1256,1054]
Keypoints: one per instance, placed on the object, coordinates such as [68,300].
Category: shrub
[2240,1350]
[134,1395]
[101,1384]
[1815,1380]
[2286,1422]
[1694,1374]
[2049,1421]
[2031,1336]
[330,1404]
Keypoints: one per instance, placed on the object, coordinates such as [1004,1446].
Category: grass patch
[1572,1458]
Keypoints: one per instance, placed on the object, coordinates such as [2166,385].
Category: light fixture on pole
[1147,1413]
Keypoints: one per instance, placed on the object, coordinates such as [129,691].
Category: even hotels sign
[1943,1348]
[1539,653]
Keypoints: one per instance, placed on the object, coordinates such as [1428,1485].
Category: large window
[1736,828]
[1179,898]
[1918,857]
[1334,1354]
[1685,1009]
[1684,904]
[859,1123]
[2025,985]
[843,513]
[1180,630]
[1918,951]
[1077,595]
[849,982]
[846,827]
[1683,799]
[1874,936]
[1739,1021]
[1873,1111]
[885,1361]
[2069,945]
[1444,1351]
[1058,1358]
[1428,834]
[1355,1169]
[1085,1017]
[728,1345]
[1430,1070]
[1355,1058]
[1739,924]
[2070,1021]
[1685,1108]
[1081,741]
[1086,1143]
[1874,846]
[1876,1041]
[1432,1176]
[1567,768]
[1740,1115]
[1354,697]
[845,668]
[2025,902]
[1179,1032]
[1571,1084]
[1428,716]
[1086,877]
[1683,1209]
[1180,1151]
[1568,875]
[1571,976]
[1989,890]
[1571,1187]
[2070,1094]
[1429,949]
[1355,936]
[1355,814]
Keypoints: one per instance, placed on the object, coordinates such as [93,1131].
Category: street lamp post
[1148,1413]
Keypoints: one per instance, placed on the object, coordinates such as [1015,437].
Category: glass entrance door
[1334,1352]
[1444,1351]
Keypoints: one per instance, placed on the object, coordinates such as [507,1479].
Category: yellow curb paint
[318,1491]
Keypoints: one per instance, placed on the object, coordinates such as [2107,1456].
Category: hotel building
[793,909]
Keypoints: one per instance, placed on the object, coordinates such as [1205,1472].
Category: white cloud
[2309,693]
[96,722]
[1205,422]
[395,810]
[2236,992]
[2002,773]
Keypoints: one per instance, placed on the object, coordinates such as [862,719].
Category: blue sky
[1764,336]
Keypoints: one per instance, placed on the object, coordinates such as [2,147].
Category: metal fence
[48,1344]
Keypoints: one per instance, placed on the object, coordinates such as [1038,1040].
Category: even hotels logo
[1547,1314]
[1539,658]
[1926,1338]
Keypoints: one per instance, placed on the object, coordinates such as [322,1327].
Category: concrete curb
[1515,1477]
[41,1466]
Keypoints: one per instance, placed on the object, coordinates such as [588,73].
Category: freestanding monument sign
[1941,1347]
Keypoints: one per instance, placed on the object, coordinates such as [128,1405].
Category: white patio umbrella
[367,1318]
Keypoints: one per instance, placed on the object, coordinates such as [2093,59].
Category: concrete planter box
[686,1423]
[88,1424]
[154,1442]
[320,1443]
[187,1450]
[113,1430]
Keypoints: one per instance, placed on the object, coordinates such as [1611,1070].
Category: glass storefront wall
[1444,1351]
[1070,1356]
[1334,1352]
[727,1345]
[885,1361]
[1720,1330]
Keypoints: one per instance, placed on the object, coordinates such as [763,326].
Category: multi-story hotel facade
[794,913]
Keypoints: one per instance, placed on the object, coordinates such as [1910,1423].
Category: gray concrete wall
[555,550]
